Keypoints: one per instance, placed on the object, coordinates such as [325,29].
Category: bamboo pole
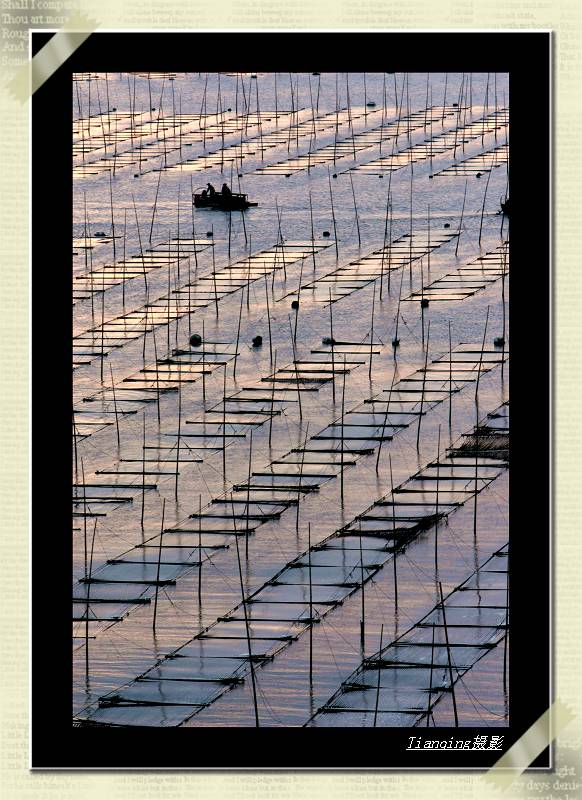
[88,604]
[385,420]
[333,215]
[429,709]
[342,435]
[312,232]
[363,607]
[75,449]
[384,249]
[159,565]
[203,365]
[394,565]
[272,414]
[445,98]
[179,434]
[224,425]
[372,332]
[200,552]
[84,515]
[301,478]
[410,241]
[449,656]
[249,274]
[505,643]
[423,388]
[450,379]
[143,460]
[461,220]
[379,677]
[476,486]
[436,520]
[115,407]
[248,507]
[124,265]
[503,276]
[102,323]
[247,627]
[112,217]
[483,206]
[145,280]
[332,346]
[155,204]
[396,340]
[214,272]
[310,604]
[296,369]
[356,211]
[242,294]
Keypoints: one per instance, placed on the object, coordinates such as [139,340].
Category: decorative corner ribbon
[55,52]
[529,746]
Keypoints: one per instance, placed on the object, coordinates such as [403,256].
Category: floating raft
[203,292]
[257,146]
[356,275]
[167,374]
[401,684]
[162,146]
[477,165]
[468,280]
[350,146]
[308,588]
[163,255]
[437,145]
[323,457]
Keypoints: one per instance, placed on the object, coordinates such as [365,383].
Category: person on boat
[211,190]
[204,193]
[226,191]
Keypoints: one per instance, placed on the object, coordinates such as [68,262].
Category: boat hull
[218,202]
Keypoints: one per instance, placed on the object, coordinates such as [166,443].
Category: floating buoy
[257,341]
[380,176]
[254,76]
[431,177]
[446,225]
[328,340]
[371,104]
[499,341]
[334,175]
[229,109]
[209,234]
[295,304]
[326,234]
[240,174]
[455,105]
[114,109]
[196,340]
[153,108]
[424,302]
[136,175]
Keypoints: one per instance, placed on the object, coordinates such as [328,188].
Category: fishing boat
[230,202]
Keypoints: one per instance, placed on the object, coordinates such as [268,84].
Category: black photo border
[526,56]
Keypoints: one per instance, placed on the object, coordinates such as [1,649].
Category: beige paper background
[565,19]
